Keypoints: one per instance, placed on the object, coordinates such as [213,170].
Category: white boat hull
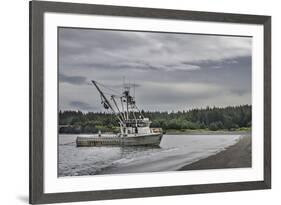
[152,139]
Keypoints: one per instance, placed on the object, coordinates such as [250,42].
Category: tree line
[210,118]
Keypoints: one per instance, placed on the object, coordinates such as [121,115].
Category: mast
[134,85]
[127,95]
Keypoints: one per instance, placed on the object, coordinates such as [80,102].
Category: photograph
[145,101]
[133,102]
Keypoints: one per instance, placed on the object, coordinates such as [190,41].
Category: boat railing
[156,130]
[138,120]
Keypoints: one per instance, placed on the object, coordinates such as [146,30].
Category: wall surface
[14,101]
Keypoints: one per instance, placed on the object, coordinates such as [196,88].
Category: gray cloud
[76,80]
[172,71]
[239,92]
[82,106]
[93,49]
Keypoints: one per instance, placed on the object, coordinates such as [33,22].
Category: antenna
[123,88]
[134,89]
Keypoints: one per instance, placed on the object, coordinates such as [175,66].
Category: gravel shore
[238,155]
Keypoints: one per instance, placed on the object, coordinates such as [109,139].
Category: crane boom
[106,101]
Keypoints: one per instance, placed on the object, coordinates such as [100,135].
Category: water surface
[174,152]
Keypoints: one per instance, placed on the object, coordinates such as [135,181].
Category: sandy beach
[235,156]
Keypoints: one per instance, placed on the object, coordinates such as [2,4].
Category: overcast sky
[172,71]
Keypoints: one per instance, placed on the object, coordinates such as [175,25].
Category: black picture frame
[36,173]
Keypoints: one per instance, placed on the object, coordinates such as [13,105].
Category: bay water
[174,152]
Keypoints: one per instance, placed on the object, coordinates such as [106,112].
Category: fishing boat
[134,126]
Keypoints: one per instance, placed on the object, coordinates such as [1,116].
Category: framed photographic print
[130,102]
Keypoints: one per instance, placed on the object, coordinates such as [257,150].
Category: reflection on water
[174,152]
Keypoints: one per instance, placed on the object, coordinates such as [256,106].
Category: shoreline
[210,132]
[189,132]
[238,155]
